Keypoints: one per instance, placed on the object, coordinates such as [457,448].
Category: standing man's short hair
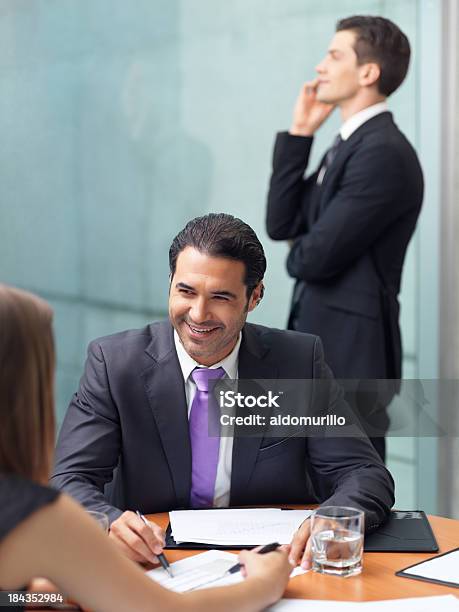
[222,235]
[379,40]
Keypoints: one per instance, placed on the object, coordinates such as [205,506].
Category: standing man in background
[349,223]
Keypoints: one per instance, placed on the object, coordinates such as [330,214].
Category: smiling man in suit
[349,222]
[135,436]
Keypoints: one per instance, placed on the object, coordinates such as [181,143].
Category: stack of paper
[234,527]
[199,571]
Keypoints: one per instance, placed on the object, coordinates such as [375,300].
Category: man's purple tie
[204,415]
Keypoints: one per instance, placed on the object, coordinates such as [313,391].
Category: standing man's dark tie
[329,157]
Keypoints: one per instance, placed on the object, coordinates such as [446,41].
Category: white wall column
[449,259]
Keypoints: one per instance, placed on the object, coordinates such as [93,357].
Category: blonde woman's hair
[26,385]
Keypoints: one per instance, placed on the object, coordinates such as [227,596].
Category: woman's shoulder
[21,498]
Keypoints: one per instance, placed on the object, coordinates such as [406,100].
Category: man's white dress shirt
[355,121]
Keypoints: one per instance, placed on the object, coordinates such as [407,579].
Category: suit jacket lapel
[165,390]
[334,172]
[347,147]
[253,363]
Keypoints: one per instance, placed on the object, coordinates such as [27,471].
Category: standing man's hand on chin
[138,541]
[309,113]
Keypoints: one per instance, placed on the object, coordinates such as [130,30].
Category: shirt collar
[188,364]
[355,121]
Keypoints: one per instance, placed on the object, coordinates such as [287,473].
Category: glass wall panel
[122,120]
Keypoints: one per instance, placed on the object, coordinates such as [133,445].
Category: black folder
[405,574]
[404,531]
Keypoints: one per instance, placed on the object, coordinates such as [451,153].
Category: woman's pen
[161,558]
[263,550]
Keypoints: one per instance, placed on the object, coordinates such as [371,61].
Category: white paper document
[444,567]
[236,527]
[445,603]
[201,571]
[198,571]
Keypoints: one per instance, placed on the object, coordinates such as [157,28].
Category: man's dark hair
[379,40]
[222,235]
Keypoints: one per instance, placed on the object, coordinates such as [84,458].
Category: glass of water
[337,540]
[101,518]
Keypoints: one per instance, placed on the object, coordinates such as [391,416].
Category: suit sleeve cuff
[372,520]
[293,148]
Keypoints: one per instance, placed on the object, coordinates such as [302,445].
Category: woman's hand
[272,569]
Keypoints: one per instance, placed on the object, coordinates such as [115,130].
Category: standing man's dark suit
[350,238]
[128,422]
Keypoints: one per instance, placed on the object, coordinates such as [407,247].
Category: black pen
[161,557]
[265,549]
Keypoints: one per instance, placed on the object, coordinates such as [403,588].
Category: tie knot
[338,140]
[201,377]
[335,145]
[332,151]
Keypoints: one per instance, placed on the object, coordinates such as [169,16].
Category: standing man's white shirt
[355,121]
[225,454]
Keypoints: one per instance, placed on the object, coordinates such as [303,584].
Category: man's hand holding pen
[139,540]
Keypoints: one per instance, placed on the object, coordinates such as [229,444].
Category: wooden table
[377,580]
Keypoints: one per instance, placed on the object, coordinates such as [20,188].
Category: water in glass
[337,551]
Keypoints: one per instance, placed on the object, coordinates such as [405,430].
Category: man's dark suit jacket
[350,238]
[128,422]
